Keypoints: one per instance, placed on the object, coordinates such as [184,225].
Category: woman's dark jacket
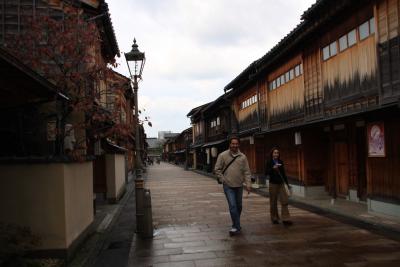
[274,177]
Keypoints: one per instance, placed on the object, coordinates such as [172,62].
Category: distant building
[170,135]
[154,148]
[161,134]
[153,142]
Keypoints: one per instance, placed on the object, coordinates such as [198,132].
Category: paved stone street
[192,220]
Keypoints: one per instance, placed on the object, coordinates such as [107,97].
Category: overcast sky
[196,47]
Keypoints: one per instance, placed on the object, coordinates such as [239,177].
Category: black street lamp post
[135,61]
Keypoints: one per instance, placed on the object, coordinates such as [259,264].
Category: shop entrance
[342,169]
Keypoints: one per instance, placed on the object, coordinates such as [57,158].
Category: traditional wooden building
[155,148]
[51,195]
[199,137]
[181,148]
[247,107]
[211,126]
[217,121]
[29,108]
[169,147]
[115,156]
[52,192]
[327,96]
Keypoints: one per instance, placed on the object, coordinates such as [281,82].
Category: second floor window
[349,39]
[343,43]
[215,123]
[248,102]
[366,29]
[329,50]
[197,129]
[286,77]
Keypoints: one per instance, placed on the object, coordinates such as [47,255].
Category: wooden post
[332,173]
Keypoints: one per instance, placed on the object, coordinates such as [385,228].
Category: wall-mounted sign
[214,152]
[297,138]
[376,139]
[51,130]
[208,152]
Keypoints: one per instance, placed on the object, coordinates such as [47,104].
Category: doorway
[342,169]
[99,175]
[361,154]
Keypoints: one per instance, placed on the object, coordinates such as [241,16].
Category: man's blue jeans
[234,197]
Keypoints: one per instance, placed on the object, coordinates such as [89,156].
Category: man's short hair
[234,137]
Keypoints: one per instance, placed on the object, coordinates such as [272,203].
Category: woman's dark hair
[272,151]
[234,137]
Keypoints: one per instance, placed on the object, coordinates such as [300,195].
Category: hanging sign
[376,139]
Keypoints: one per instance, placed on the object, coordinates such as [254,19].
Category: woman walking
[277,177]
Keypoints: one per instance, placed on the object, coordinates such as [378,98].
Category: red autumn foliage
[68,53]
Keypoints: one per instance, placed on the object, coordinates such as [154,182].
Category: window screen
[333,49]
[343,43]
[282,79]
[291,74]
[352,38]
[287,77]
[372,25]
[364,30]
[297,70]
[325,55]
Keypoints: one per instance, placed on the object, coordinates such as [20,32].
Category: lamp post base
[139,195]
[138,173]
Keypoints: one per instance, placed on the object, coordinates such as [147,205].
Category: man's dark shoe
[275,222]
[234,231]
[287,223]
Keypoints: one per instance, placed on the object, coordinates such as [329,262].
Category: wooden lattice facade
[322,95]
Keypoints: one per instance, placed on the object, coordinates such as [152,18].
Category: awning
[180,151]
[109,147]
[214,143]
[196,145]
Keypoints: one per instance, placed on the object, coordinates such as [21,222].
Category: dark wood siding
[315,156]
[383,173]
[286,103]
[13,14]
[313,83]
[289,152]
[389,49]
[247,117]
[249,150]
[262,103]
[221,131]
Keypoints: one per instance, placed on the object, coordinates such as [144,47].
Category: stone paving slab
[113,224]
[192,220]
[355,213]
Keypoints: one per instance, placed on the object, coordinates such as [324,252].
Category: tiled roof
[244,74]
[283,43]
[109,28]
[195,110]
[319,8]
[253,67]
[316,7]
[217,101]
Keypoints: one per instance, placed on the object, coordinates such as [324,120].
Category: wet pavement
[113,230]
[192,220]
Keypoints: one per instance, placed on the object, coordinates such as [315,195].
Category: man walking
[232,170]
